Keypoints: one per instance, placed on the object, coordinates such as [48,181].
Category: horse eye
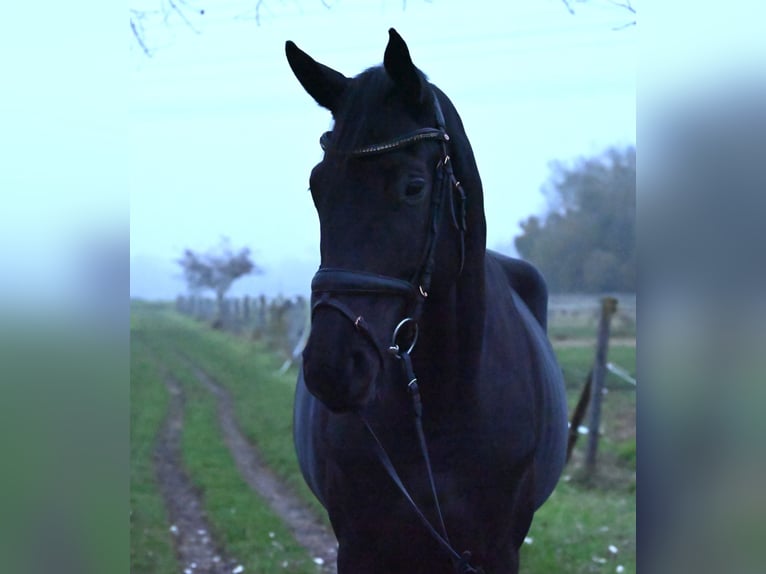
[415,188]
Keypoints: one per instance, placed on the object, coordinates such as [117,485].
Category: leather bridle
[329,283]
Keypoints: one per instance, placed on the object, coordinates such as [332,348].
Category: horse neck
[471,309]
[453,335]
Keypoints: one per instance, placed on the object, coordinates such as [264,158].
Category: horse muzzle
[340,374]
[345,353]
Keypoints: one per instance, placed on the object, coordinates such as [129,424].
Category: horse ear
[401,70]
[323,84]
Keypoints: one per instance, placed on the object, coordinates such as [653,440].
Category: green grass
[617,446]
[151,547]
[583,323]
[573,530]
[263,399]
[251,532]
[576,362]
[575,526]
[64,443]
[239,518]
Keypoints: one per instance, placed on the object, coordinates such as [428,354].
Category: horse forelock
[372,110]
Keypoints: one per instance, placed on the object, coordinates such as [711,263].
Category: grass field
[585,527]
[63,421]
[240,520]
[589,525]
[151,545]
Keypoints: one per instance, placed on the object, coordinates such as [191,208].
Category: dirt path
[307,529]
[197,552]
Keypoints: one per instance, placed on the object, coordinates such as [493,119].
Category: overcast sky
[192,142]
[223,137]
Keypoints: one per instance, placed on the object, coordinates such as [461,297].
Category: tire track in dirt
[305,526]
[197,552]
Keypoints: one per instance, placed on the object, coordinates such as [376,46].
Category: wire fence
[281,323]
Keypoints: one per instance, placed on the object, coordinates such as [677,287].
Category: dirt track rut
[306,527]
[197,551]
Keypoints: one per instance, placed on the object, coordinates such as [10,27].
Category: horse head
[392,218]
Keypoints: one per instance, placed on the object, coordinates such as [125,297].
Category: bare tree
[190,14]
[187,12]
[621,4]
[217,270]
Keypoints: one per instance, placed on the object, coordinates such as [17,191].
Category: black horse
[408,303]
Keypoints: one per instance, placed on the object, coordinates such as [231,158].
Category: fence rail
[282,323]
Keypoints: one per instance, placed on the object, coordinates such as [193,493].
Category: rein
[330,282]
[462,562]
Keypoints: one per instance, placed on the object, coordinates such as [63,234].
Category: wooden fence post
[246,309]
[579,414]
[608,309]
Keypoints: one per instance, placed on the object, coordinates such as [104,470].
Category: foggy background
[223,137]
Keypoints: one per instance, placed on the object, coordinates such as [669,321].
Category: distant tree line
[586,241]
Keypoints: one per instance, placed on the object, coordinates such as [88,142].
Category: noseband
[329,283]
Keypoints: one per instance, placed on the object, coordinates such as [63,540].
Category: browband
[402,141]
